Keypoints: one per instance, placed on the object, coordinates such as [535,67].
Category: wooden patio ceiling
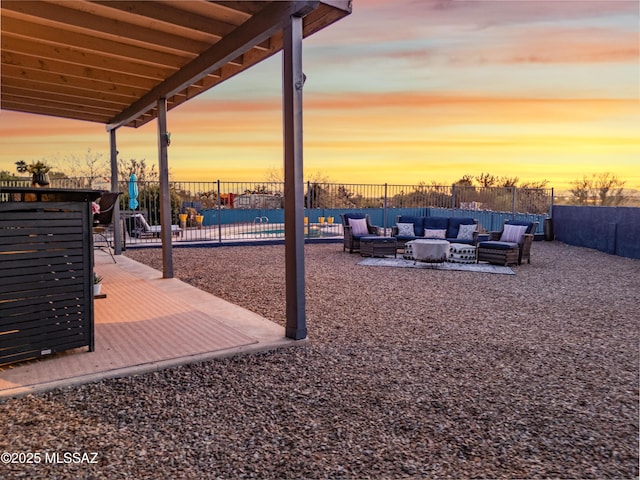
[110,61]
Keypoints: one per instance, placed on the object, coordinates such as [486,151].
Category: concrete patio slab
[146,323]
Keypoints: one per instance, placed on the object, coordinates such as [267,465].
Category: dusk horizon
[407,92]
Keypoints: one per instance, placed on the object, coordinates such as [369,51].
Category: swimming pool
[279,232]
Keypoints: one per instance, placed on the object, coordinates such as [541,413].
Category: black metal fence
[239,211]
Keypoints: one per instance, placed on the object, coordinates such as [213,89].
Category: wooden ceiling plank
[74,56]
[253,31]
[36,64]
[51,112]
[71,90]
[101,26]
[19,92]
[174,16]
[216,10]
[90,44]
[81,83]
[34,103]
[246,7]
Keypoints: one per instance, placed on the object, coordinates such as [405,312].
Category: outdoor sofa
[451,229]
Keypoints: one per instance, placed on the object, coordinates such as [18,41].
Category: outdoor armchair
[511,245]
[356,226]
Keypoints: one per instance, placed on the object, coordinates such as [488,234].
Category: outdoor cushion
[406,238]
[358,226]
[459,240]
[529,225]
[435,233]
[354,215]
[466,232]
[436,223]
[405,229]
[498,245]
[513,233]
[418,224]
[454,225]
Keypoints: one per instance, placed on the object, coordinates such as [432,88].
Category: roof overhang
[110,61]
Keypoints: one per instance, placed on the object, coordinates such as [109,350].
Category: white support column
[165,194]
[117,229]
[293,80]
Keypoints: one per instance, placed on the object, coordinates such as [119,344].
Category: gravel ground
[408,374]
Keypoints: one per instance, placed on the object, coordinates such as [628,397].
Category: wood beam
[254,31]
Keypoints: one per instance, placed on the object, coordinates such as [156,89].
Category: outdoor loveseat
[452,229]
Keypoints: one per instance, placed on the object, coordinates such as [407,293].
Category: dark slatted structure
[46,299]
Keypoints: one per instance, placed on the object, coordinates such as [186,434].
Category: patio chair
[353,231]
[103,221]
[511,245]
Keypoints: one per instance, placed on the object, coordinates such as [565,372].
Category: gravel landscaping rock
[408,374]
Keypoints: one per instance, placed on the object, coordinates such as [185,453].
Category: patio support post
[165,195]
[293,80]
[219,215]
[113,155]
[384,213]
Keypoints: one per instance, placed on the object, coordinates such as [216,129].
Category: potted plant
[39,172]
[97,284]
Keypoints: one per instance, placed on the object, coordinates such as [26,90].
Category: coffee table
[373,246]
[430,251]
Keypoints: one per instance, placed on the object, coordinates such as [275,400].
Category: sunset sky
[405,91]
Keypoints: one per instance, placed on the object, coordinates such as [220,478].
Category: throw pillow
[434,233]
[466,232]
[513,233]
[405,229]
[358,226]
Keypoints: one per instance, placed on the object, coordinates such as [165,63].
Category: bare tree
[508,182]
[140,168]
[609,189]
[486,180]
[465,181]
[599,189]
[90,165]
